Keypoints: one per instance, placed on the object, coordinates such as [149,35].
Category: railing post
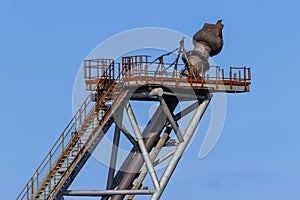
[146,70]
[217,76]
[249,74]
[63,142]
[136,63]
[84,109]
[141,66]
[103,71]
[28,191]
[113,71]
[129,67]
[50,159]
[245,82]
[37,177]
[84,68]
[90,70]
[223,75]
[230,77]
[122,67]
[80,116]
[119,72]
[234,77]
[32,185]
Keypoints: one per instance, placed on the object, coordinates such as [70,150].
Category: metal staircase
[73,142]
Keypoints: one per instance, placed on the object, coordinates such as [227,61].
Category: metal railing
[137,68]
[96,69]
[85,111]
[58,148]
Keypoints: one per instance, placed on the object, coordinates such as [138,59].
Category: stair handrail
[60,142]
[30,186]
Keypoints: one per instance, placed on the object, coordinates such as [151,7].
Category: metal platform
[138,71]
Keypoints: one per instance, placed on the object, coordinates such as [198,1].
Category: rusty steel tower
[113,87]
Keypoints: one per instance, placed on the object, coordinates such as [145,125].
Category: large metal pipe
[134,162]
[208,42]
[114,152]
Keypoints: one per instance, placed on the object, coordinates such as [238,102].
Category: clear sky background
[42,44]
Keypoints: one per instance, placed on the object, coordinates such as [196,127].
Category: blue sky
[257,157]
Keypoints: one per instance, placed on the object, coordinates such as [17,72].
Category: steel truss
[128,181]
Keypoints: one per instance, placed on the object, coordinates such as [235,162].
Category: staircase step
[61,171]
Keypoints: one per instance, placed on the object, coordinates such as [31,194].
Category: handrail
[62,142]
[137,66]
[219,74]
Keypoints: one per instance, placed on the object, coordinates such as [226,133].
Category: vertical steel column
[114,153]
[181,148]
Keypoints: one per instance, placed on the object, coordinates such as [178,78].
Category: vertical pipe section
[134,162]
[181,148]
